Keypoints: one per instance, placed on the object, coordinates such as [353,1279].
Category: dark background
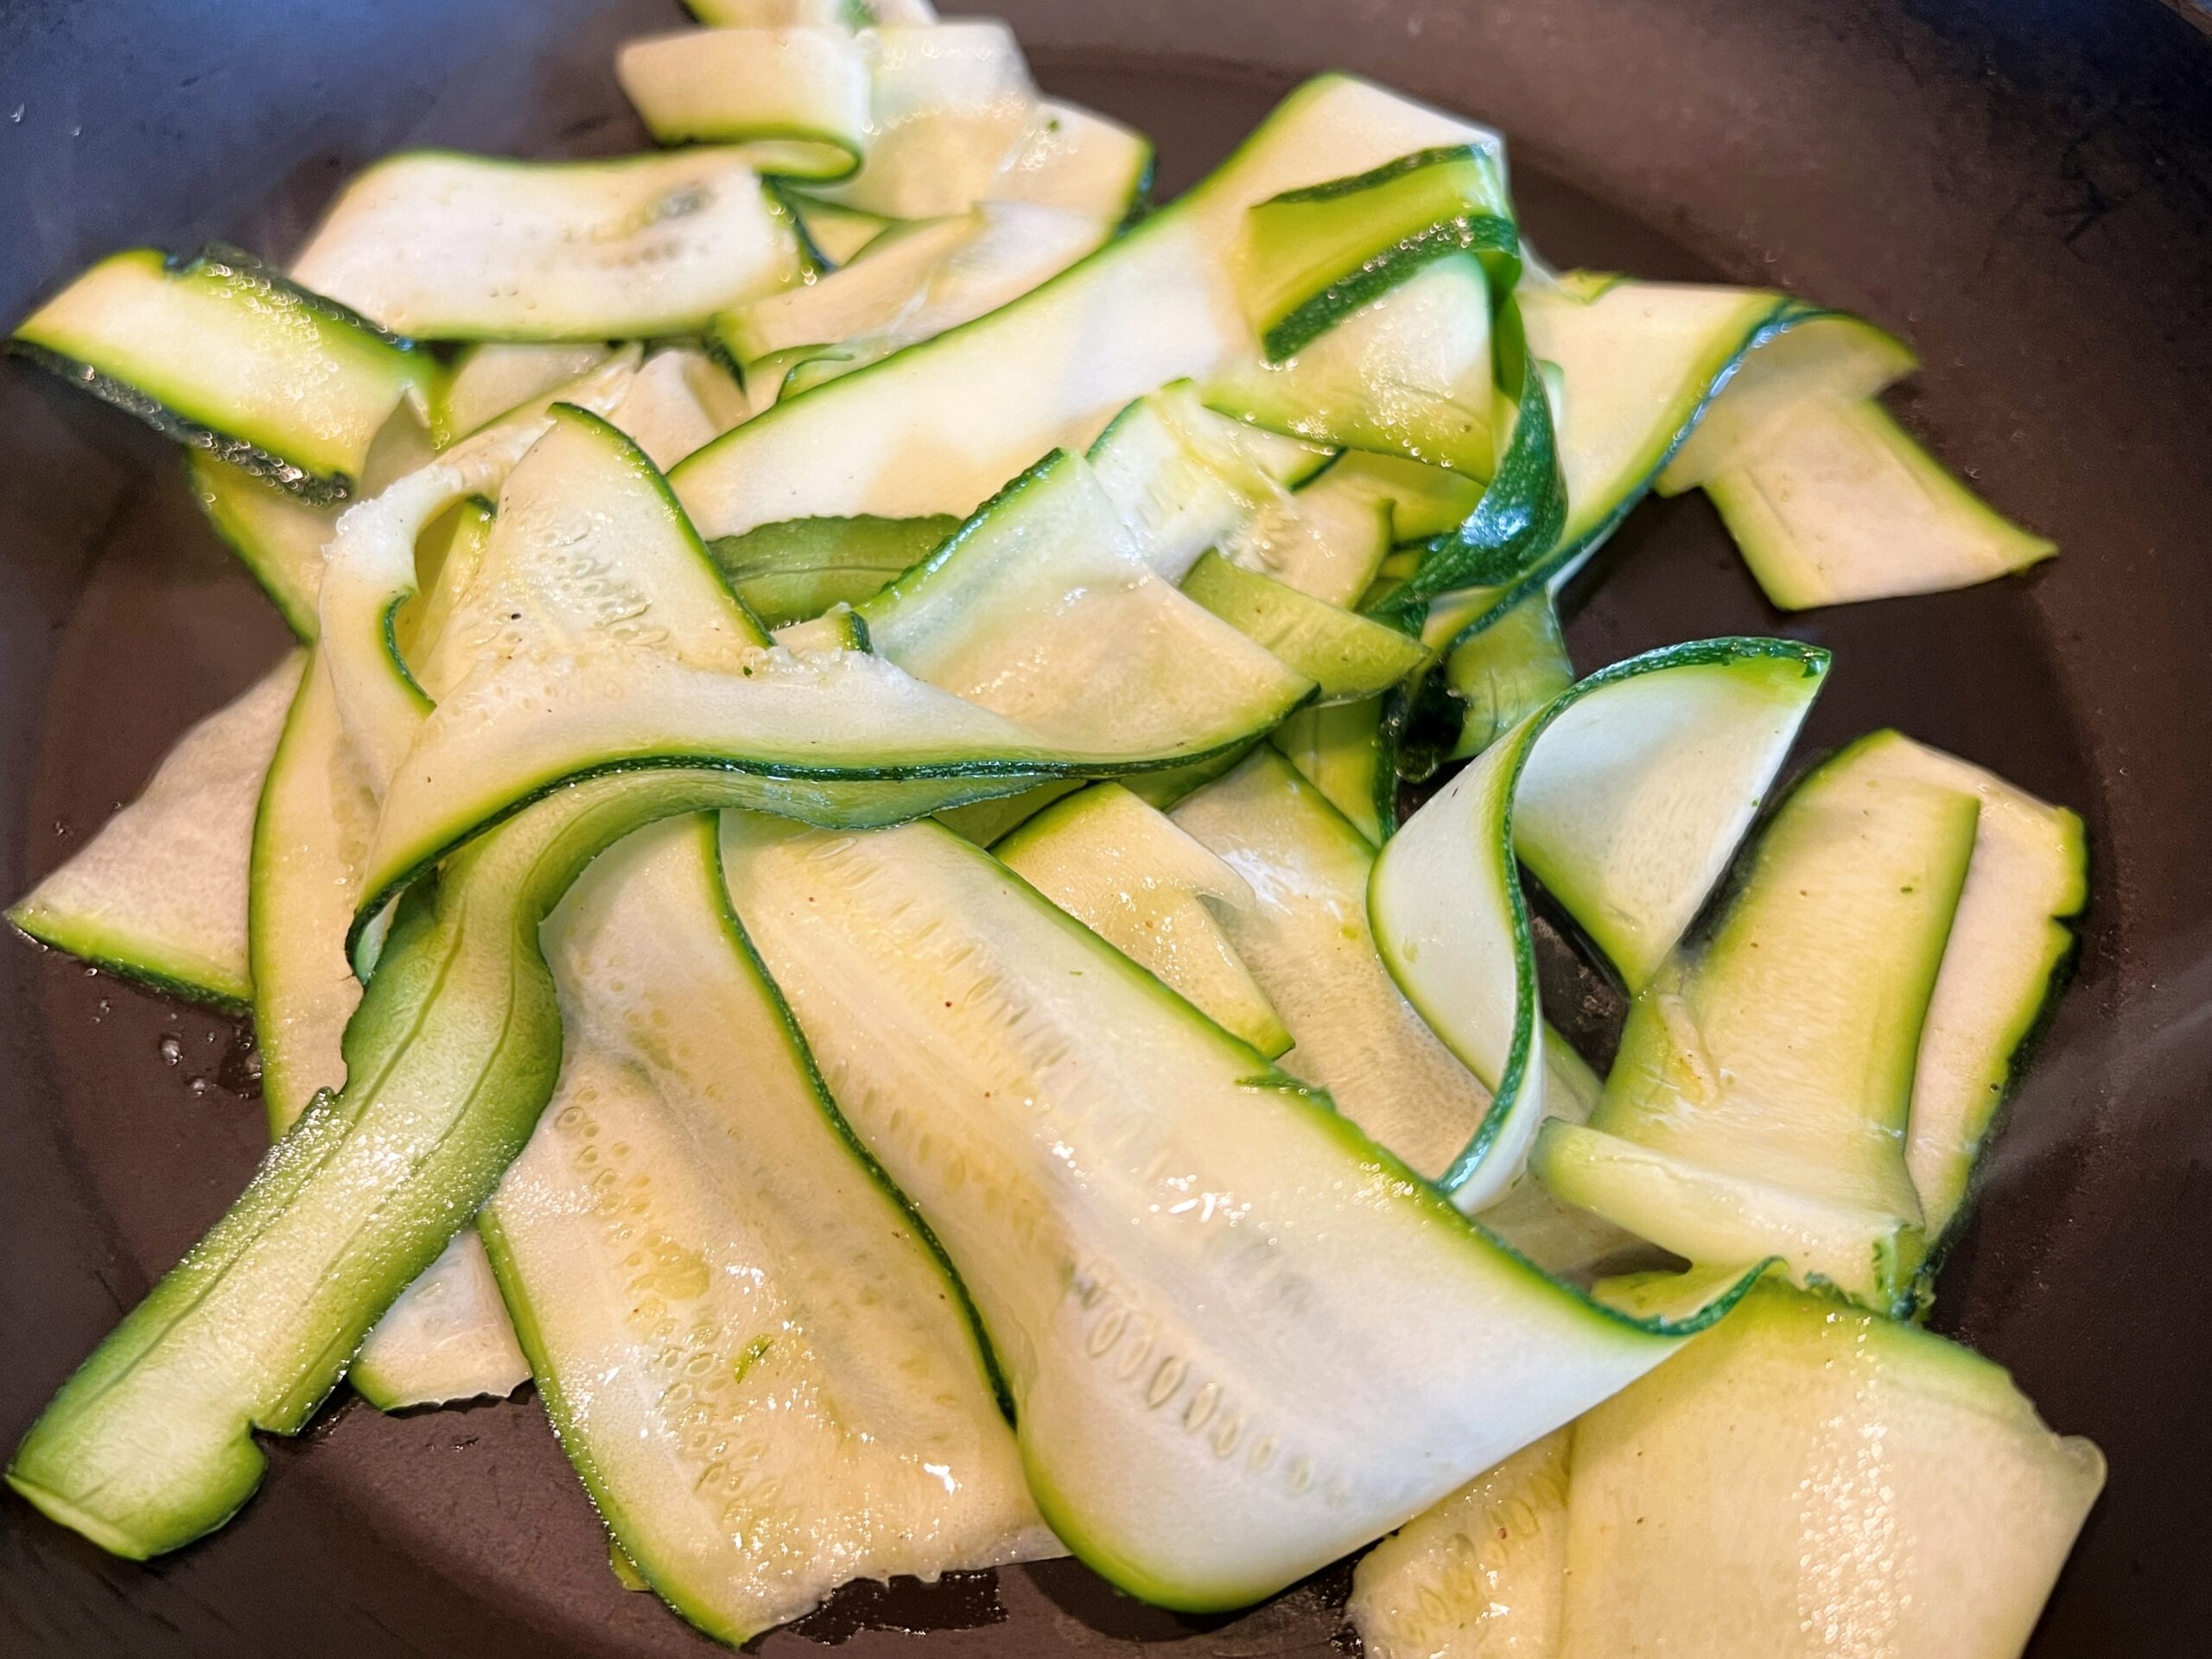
[2025,189]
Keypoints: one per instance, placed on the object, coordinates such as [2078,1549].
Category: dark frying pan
[2024,187]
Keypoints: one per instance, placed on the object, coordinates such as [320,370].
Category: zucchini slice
[1078,161]
[1626,796]
[159,895]
[1041,608]
[495,377]
[1339,750]
[1155,305]
[1837,502]
[1809,1479]
[1306,940]
[787,573]
[757,1361]
[1312,256]
[224,355]
[1759,1103]
[1239,1337]
[949,104]
[1348,656]
[311,829]
[1128,873]
[448,1060]
[796,99]
[1484,1573]
[681,400]
[913,283]
[1409,373]
[2003,963]
[447,246]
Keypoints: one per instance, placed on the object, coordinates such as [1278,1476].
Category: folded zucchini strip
[757,1360]
[1626,796]
[2004,959]
[450,1057]
[1830,500]
[681,400]
[1347,656]
[1807,1479]
[1306,940]
[1178,1257]
[446,246]
[1031,374]
[1761,1098]
[911,284]
[1313,256]
[226,355]
[159,895]
[1128,873]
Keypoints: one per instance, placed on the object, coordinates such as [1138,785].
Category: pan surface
[2025,189]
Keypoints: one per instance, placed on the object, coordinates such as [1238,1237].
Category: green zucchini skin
[790,572]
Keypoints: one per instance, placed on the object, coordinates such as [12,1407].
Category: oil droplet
[172,1050]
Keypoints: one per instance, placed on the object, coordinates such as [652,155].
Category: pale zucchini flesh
[160,894]
[1126,872]
[1482,1575]
[446,246]
[1809,1479]
[796,99]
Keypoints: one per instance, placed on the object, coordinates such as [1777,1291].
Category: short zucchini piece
[159,895]
[1130,874]
[1836,503]
[754,1357]
[1340,751]
[1809,1480]
[1505,672]
[224,355]
[1177,1256]
[1041,609]
[446,246]
[1759,1102]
